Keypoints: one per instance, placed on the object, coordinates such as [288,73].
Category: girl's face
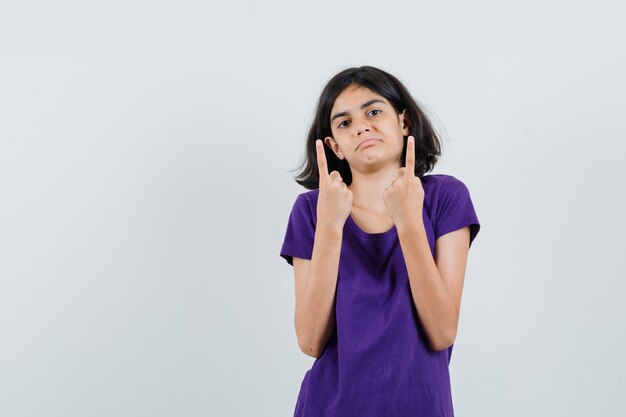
[366,129]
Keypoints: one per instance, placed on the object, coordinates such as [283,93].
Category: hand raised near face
[404,197]
[334,203]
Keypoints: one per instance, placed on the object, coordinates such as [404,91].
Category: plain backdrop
[146,157]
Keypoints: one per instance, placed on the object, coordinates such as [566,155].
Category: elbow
[307,346]
[308,343]
[309,351]
[442,344]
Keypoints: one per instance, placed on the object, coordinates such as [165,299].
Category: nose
[361,125]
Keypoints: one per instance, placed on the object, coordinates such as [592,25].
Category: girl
[379,251]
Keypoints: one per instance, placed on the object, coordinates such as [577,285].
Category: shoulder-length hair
[427,145]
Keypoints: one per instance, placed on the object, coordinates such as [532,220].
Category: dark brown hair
[427,145]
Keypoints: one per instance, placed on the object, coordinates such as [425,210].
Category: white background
[145,187]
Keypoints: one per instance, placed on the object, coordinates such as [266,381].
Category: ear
[405,123]
[330,141]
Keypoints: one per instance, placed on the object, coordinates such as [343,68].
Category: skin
[382,194]
[373,167]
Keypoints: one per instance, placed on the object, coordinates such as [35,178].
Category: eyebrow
[364,105]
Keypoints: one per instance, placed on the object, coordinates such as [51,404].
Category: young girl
[379,251]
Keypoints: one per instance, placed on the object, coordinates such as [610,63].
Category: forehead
[353,96]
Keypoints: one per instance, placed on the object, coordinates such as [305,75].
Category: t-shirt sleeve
[455,209]
[300,232]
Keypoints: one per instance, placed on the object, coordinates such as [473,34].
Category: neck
[367,188]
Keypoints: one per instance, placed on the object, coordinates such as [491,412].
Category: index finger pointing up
[410,156]
[321,159]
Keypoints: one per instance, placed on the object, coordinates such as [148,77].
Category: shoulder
[451,206]
[306,205]
[308,198]
[437,184]
[434,179]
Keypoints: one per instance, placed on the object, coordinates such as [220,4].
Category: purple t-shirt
[378,361]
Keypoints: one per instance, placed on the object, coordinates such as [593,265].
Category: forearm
[315,314]
[433,301]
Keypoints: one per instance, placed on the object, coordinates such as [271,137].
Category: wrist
[411,227]
[329,228]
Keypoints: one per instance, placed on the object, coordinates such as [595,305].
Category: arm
[316,284]
[436,284]
[316,280]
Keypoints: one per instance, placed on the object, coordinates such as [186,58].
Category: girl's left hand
[404,197]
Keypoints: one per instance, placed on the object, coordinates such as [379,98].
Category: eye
[374,112]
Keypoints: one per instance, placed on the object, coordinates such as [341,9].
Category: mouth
[367,142]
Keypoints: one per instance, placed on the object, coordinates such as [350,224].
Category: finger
[321,159]
[336,176]
[410,155]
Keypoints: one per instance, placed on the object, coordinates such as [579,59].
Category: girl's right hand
[334,203]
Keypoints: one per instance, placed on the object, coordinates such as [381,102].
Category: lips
[367,142]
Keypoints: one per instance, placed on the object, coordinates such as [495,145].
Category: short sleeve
[300,232]
[455,209]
